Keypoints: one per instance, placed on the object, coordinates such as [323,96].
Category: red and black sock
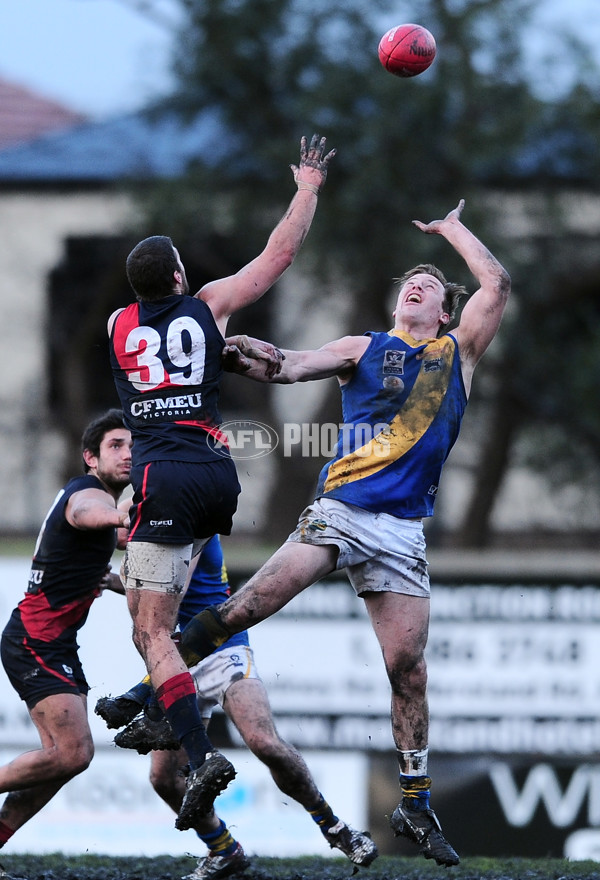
[178,700]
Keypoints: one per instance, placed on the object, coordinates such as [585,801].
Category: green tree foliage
[274,69]
[477,122]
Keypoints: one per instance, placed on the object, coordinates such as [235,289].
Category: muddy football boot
[145,735]
[117,711]
[203,785]
[424,829]
[357,845]
[213,866]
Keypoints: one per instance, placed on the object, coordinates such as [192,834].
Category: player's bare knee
[407,672]
[85,759]
[162,783]
[268,748]
[77,758]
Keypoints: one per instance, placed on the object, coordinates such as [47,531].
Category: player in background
[409,387]
[70,568]
[227,678]
[165,352]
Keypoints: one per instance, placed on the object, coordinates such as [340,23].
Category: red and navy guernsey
[166,362]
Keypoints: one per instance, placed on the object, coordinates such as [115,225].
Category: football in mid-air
[407,50]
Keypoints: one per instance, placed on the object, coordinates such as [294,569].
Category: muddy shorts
[380,553]
[216,673]
[37,670]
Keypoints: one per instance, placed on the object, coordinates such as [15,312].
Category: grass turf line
[96,867]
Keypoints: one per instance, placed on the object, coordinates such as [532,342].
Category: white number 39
[186,347]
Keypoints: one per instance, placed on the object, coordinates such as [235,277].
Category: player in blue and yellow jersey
[165,352]
[227,678]
[69,570]
[404,392]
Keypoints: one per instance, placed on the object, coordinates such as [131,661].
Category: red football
[407,50]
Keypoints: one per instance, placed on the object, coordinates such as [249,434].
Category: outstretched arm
[482,313]
[227,295]
[241,351]
[337,358]
[94,509]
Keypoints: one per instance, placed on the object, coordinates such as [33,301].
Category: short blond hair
[452,292]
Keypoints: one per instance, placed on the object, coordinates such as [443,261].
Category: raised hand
[311,172]
[437,225]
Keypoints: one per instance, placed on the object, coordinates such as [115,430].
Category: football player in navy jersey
[70,568]
[229,678]
[165,351]
[404,392]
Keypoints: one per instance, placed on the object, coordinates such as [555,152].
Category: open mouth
[413,298]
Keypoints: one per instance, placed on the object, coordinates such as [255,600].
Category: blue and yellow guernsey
[402,411]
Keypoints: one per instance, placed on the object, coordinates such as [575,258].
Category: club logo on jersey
[393,362]
[433,365]
[165,407]
[393,368]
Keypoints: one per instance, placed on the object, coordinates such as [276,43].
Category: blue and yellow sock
[139,692]
[323,815]
[415,791]
[219,842]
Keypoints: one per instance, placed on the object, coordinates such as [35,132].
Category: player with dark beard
[70,568]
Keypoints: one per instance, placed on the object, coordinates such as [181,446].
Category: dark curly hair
[95,432]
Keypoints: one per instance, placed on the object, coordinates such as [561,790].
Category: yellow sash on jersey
[418,412]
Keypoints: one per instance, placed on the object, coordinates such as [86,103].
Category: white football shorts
[380,552]
[216,673]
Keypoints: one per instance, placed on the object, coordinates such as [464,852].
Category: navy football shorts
[177,501]
[37,670]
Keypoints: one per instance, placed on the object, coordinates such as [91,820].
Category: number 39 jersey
[166,363]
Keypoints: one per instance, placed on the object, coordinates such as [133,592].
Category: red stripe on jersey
[138,514]
[129,361]
[176,688]
[220,436]
[45,623]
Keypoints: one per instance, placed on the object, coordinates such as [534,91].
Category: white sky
[102,57]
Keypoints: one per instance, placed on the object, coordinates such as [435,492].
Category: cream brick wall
[33,227]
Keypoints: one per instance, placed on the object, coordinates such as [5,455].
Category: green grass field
[58,867]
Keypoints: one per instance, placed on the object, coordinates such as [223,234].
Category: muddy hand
[314,164]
